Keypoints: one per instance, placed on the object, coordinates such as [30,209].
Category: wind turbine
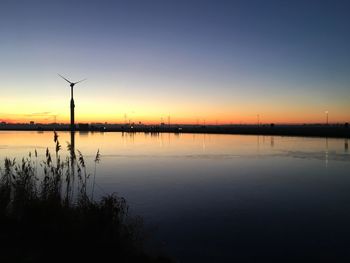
[72,105]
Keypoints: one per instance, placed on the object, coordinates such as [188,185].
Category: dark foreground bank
[48,214]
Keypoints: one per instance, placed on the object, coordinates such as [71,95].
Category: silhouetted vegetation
[48,214]
[332,130]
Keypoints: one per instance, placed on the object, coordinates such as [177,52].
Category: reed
[46,217]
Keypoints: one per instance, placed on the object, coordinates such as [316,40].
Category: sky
[195,61]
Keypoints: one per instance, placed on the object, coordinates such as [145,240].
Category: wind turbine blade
[65,79]
[79,81]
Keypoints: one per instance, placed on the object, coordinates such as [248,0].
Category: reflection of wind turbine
[346,145]
[72,105]
[326,153]
[72,133]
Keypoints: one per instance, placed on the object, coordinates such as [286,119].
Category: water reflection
[223,184]
[16,144]
[272,142]
[71,180]
[326,153]
[203,143]
[84,133]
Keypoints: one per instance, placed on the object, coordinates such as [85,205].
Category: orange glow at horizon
[181,109]
[174,119]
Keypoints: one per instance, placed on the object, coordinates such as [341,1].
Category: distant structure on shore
[340,130]
[72,105]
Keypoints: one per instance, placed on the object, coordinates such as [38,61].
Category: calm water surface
[219,198]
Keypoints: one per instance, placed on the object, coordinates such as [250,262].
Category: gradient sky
[225,61]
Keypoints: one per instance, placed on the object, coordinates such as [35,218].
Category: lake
[220,198]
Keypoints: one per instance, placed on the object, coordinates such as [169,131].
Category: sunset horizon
[175,131]
[218,63]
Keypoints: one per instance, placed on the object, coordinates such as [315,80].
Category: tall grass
[47,213]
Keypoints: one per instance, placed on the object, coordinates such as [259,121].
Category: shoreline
[331,131]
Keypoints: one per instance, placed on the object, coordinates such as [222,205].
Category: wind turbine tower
[72,105]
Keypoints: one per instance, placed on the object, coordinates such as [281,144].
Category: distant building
[31,122]
[83,127]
